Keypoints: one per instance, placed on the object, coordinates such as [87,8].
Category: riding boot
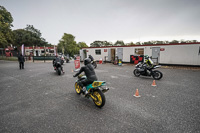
[85,90]
[62,70]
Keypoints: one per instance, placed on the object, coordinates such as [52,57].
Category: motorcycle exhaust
[105,89]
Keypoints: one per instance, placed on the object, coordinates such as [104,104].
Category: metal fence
[43,58]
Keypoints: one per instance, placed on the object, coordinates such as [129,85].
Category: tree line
[121,43]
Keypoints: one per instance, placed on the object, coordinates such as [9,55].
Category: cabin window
[139,51]
[98,52]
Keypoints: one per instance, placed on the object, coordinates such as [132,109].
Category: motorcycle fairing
[95,84]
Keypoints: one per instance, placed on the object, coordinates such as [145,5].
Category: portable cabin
[175,54]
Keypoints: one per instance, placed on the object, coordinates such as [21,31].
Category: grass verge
[8,58]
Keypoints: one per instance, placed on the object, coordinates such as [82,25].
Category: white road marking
[114,77]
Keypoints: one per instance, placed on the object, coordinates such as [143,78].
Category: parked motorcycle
[142,69]
[94,63]
[95,91]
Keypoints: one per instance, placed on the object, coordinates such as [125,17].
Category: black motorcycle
[143,69]
[58,67]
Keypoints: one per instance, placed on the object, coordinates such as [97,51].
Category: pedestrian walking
[21,61]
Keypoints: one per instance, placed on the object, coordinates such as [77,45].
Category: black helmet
[87,61]
[146,56]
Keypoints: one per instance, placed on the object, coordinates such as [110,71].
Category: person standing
[21,61]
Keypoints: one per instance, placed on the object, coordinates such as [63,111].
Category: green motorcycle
[95,91]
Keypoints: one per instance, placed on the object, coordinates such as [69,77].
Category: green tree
[174,41]
[119,43]
[157,42]
[166,42]
[183,41]
[138,43]
[101,44]
[147,43]
[82,45]
[69,44]
[18,37]
[108,43]
[36,33]
[28,36]
[5,27]
[131,43]
[191,41]
[97,44]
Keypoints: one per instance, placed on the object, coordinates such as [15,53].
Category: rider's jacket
[21,58]
[57,59]
[89,72]
[149,62]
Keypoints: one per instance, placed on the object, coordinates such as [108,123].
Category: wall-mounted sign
[136,58]
[162,49]
[105,50]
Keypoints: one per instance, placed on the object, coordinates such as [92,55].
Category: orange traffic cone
[136,93]
[154,83]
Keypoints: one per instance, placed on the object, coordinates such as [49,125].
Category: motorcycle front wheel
[100,99]
[78,88]
[157,75]
[136,72]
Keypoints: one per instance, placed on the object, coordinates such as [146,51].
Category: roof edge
[144,45]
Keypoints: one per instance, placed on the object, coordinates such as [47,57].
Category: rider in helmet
[90,74]
[149,64]
[55,60]
[148,61]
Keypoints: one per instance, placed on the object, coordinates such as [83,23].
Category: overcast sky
[108,20]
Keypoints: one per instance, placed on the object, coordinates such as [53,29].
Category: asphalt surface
[37,100]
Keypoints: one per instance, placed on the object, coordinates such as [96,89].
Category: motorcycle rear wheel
[157,75]
[59,70]
[100,102]
[136,72]
[78,88]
